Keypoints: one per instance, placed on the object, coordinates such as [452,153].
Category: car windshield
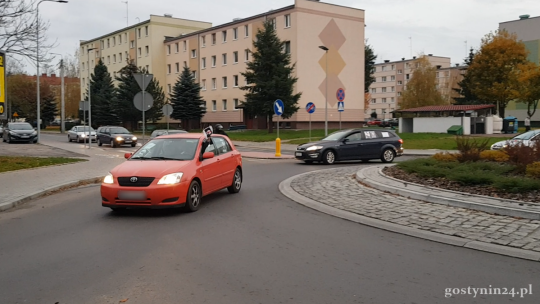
[119,131]
[526,135]
[168,149]
[336,135]
[21,127]
[80,129]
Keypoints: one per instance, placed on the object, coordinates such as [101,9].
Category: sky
[442,28]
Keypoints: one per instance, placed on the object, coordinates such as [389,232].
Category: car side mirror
[208,155]
[128,155]
[345,140]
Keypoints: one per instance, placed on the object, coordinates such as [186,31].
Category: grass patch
[12,163]
[264,136]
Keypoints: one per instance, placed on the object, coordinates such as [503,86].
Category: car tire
[78,139]
[134,144]
[388,156]
[113,145]
[3,139]
[69,139]
[194,196]
[99,143]
[329,157]
[237,182]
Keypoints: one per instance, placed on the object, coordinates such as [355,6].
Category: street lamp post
[63,105]
[322,47]
[37,66]
[89,101]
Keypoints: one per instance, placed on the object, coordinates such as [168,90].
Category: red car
[173,171]
[375,122]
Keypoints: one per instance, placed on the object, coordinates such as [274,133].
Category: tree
[493,73]
[101,84]
[270,77]
[126,91]
[22,98]
[19,28]
[422,87]
[49,109]
[528,89]
[370,58]
[466,96]
[14,66]
[71,65]
[186,99]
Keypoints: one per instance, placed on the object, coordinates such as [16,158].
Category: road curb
[50,190]
[286,189]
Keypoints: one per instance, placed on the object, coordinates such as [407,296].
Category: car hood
[149,168]
[122,134]
[317,143]
[23,131]
[86,132]
[510,142]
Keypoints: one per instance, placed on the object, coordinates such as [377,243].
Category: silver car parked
[528,139]
[81,134]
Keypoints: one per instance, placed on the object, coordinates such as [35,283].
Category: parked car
[528,139]
[173,171]
[392,122]
[115,136]
[81,134]
[355,144]
[374,122]
[160,132]
[19,131]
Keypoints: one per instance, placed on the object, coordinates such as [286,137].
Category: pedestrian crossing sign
[341,106]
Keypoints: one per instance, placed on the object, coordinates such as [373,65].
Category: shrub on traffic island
[445,157]
[533,170]
[494,155]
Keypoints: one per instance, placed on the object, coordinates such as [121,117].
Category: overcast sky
[443,28]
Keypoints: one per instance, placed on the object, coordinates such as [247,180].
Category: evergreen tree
[467,97]
[370,58]
[270,76]
[186,99]
[49,110]
[102,87]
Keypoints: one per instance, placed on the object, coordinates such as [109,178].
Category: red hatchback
[173,171]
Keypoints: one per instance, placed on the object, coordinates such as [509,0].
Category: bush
[516,184]
[445,157]
[494,155]
[471,178]
[533,170]
[470,148]
[521,156]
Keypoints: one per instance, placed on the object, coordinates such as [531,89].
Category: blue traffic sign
[340,94]
[310,107]
[341,106]
[279,108]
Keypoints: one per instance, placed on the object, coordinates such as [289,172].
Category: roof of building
[521,19]
[447,108]
[411,59]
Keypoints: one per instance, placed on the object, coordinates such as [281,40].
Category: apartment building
[142,43]
[217,56]
[391,78]
[527,30]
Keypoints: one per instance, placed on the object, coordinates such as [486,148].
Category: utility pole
[63,110]
[127,13]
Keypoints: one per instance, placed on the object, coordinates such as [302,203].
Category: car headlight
[13,133]
[83,135]
[313,148]
[171,179]
[119,138]
[34,133]
[109,179]
[134,138]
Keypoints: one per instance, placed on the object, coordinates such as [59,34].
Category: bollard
[278,147]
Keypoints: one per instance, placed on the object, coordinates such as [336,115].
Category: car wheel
[78,139]
[388,156]
[237,182]
[69,138]
[194,195]
[3,139]
[99,143]
[134,144]
[113,145]
[329,157]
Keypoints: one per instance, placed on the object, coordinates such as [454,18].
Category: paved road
[253,247]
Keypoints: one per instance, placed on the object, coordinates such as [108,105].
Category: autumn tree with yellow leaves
[422,87]
[495,71]
[528,86]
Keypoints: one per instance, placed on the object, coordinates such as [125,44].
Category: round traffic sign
[310,107]
[340,94]
[148,101]
[167,110]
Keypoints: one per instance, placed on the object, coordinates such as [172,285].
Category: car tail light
[400,141]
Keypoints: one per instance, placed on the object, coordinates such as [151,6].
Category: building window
[287,47]
[374,90]
[224,35]
[384,100]
[383,68]
[146,30]
[120,58]
[400,71]
[246,55]
[203,63]
[235,104]
[393,67]
[193,53]
[407,76]
[131,44]
[147,69]
[235,33]
[147,50]
[114,58]
[224,104]
[392,99]
[203,85]
[374,100]
[384,79]
[214,61]
[393,89]
[177,47]
[177,67]
[168,49]
[139,33]
[213,38]
[406,65]
[185,64]
[83,66]
[102,46]
[235,57]
[120,39]
[214,85]
[246,30]
[235,80]
[224,82]
[108,59]
[214,105]
[392,78]
[384,90]
[113,41]
[400,82]
[168,68]
[287,21]
[140,52]
[203,41]
[273,23]
[398,93]
[125,37]
[194,74]
[185,46]
[108,43]
[169,89]
[224,59]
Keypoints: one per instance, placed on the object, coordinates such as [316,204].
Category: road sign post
[167,111]
[310,108]
[279,108]
[341,108]
[83,105]
[144,80]
[340,95]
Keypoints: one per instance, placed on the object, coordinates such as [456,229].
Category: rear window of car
[385,134]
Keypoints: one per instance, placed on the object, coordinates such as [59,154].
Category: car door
[211,171]
[370,144]
[349,146]
[72,133]
[227,161]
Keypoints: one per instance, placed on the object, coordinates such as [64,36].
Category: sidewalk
[338,193]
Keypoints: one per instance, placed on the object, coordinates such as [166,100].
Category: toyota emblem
[133,179]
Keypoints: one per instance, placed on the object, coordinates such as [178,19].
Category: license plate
[25,136]
[128,141]
[298,153]
[132,195]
